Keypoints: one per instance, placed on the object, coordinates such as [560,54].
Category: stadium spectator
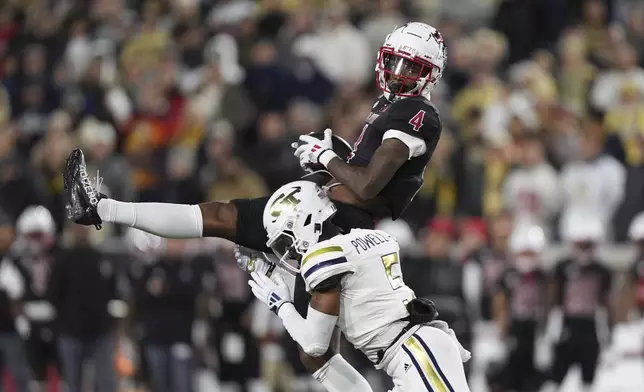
[12,324]
[238,352]
[530,191]
[83,291]
[165,299]
[20,184]
[596,183]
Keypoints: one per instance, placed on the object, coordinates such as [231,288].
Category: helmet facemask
[402,75]
[290,247]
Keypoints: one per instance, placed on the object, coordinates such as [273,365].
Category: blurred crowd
[184,101]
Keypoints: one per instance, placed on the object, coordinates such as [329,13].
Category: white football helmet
[527,238]
[36,229]
[411,61]
[293,219]
[36,219]
[527,244]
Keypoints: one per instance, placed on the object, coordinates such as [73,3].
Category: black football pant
[41,351]
[520,373]
[582,349]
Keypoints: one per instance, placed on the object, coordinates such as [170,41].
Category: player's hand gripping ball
[314,153]
[250,260]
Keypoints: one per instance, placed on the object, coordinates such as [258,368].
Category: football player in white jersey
[356,283]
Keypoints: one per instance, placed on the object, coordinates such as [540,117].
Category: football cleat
[250,260]
[82,195]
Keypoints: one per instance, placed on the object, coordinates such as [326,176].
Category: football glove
[274,293]
[250,260]
[82,196]
[312,151]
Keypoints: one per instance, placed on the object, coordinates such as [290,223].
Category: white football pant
[427,360]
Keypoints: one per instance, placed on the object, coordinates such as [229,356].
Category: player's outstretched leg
[87,206]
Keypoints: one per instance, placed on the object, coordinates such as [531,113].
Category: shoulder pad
[416,117]
[324,260]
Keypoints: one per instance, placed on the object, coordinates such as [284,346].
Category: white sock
[163,219]
[337,375]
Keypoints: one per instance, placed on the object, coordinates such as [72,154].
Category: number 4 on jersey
[417,120]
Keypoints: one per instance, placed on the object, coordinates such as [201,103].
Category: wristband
[326,157]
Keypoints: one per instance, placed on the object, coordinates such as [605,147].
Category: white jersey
[373,296]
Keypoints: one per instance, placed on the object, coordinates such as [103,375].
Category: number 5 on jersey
[393,271]
[417,120]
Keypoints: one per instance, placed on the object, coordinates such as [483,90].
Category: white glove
[274,293]
[250,260]
[313,151]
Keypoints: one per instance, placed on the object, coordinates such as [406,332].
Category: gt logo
[417,120]
[284,202]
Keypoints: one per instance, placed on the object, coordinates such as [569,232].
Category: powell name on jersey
[373,294]
[413,121]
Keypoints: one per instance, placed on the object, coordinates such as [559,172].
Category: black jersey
[412,116]
[526,294]
[582,290]
[36,270]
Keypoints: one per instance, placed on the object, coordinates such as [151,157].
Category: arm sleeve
[312,333]
[162,219]
[322,262]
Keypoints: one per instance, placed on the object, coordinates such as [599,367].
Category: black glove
[82,195]
[421,311]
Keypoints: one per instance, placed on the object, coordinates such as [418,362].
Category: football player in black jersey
[519,307]
[377,178]
[631,291]
[581,289]
[36,255]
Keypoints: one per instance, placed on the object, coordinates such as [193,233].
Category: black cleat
[82,195]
